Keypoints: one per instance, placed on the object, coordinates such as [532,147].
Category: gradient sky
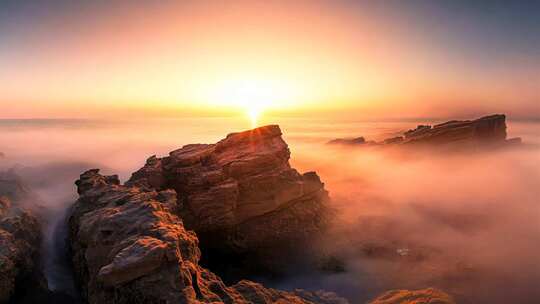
[361,59]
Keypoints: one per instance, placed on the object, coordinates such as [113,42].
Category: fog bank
[467,223]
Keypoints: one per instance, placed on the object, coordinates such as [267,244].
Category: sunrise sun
[254,98]
[251,96]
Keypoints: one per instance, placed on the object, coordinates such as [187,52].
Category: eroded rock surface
[485,131]
[129,246]
[20,242]
[424,296]
[241,194]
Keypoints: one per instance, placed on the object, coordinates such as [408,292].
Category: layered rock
[485,131]
[20,241]
[424,296]
[241,193]
[129,246]
[488,129]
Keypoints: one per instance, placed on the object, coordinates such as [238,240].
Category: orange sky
[202,58]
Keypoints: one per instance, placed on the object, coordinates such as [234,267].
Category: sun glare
[254,117]
[253,97]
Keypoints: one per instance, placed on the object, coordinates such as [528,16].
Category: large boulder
[129,246]
[241,194]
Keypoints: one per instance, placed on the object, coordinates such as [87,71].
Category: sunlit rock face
[129,246]
[424,296]
[20,241]
[488,131]
[241,194]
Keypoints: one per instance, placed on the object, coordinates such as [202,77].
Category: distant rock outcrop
[130,246]
[241,194]
[485,131]
[348,141]
[424,296]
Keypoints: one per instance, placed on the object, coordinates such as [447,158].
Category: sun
[254,97]
[253,113]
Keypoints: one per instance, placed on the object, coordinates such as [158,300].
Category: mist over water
[467,223]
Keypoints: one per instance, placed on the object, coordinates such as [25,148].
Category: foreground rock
[240,195]
[424,296]
[486,131]
[20,242]
[129,246]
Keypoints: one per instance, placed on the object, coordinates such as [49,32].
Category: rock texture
[129,246]
[20,241]
[485,131]
[241,194]
[424,296]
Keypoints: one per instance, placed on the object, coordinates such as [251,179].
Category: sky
[355,59]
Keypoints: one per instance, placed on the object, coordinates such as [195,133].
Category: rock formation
[129,246]
[241,195]
[348,141]
[20,241]
[486,131]
[424,296]
[133,243]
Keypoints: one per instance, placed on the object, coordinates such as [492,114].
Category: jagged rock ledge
[129,246]
[241,196]
[488,131]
